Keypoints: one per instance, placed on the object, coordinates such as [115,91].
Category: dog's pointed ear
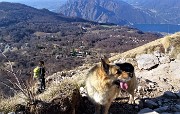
[105,64]
[106,59]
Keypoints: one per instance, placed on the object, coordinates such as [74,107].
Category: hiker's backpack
[36,72]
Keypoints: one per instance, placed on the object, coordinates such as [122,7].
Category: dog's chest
[100,98]
[104,96]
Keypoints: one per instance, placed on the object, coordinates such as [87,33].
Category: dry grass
[147,48]
[159,44]
[8,105]
[64,88]
[171,44]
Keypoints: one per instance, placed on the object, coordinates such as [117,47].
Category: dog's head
[127,73]
[121,73]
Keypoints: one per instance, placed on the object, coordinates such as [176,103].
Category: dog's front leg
[131,98]
[105,108]
[97,109]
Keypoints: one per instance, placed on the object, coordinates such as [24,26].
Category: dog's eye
[119,71]
[131,75]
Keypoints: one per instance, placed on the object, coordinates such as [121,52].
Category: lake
[167,28]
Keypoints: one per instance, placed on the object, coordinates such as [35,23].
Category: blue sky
[31,0]
[48,4]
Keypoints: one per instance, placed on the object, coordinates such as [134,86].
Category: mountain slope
[168,9]
[112,11]
[21,21]
[28,35]
[14,13]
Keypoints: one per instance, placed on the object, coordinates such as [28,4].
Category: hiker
[39,75]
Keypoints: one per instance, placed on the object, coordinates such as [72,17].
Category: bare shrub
[22,89]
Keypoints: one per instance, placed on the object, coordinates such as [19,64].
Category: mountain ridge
[168,9]
[128,11]
[113,11]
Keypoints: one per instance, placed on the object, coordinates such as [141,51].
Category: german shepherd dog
[104,82]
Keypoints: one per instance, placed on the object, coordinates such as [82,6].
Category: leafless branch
[18,85]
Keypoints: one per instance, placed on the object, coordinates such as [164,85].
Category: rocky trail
[158,87]
[158,91]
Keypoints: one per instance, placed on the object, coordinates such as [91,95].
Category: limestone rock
[147,61]
[164,59]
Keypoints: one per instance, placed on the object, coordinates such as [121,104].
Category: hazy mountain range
[51,5]
[114,11]
[167,9]
[126,11]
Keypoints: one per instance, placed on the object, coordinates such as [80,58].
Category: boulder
[164,59]
[175,69]
[147,61]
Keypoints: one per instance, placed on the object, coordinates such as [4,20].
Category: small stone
[164,60]
[170,95]
[81,89]
[145,97]
[20,112]
[84,95]
[150,104]
[139,102]
[157,53]
[139,88]
[11,113]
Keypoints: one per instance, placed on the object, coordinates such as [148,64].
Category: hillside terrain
[156,70]
[72,46]
[28,35]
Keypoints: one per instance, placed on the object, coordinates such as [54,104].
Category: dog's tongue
[123,85]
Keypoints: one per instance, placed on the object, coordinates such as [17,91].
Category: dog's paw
[131,102]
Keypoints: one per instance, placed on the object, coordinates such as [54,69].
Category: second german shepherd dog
[104,82]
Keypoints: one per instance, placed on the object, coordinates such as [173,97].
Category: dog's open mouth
[123,85]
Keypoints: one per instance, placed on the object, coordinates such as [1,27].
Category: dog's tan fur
[101,88]
[132,85]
